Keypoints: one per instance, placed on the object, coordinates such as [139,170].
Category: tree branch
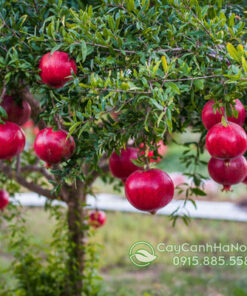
[22,181]
[41,170]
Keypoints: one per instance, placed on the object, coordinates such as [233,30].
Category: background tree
[154,62]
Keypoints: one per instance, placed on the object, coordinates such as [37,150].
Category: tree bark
[77,233]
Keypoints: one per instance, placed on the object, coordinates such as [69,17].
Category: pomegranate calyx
[226,188]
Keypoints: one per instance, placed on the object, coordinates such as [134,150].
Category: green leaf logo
[145,256]
[142,254]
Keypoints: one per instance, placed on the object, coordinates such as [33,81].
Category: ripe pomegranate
[56,68]
[228,172]
[149,190]
[162,150]
[226,142]
[210,118]
[4,199]
[12,140]
[121,165]
[97,218]
[17,112]
[53,146]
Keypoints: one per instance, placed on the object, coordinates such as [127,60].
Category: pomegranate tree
[228,172]
[53,146]
[18,112]
[149,190]
[210,117]
[56,68]
[97,218]
[114,57]
[4,199]
[226,142]
[12,140]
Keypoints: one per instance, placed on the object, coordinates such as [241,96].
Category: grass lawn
[121,278]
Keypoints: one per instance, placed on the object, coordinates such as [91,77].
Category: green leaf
[174,87]
[198,191]
[199,83]
[164,64]
[244,63]
[156,67]
[131,5]
[83,50]
[233,52]
[56,48]
[137,162]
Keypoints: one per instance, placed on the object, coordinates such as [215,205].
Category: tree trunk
[77,233]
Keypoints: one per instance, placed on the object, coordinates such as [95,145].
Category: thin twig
[155,80]
[108,47]
[190,78]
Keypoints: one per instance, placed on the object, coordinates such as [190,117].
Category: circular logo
[142,254]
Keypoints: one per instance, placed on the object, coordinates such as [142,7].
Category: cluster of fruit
[226,142]
[50,146]
[147,190]
[122,167]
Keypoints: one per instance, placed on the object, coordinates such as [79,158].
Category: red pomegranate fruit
[162,150]
[121,165]
[149,190]
[228,172]
[225,142]
[210,118]
[17,112]
[56,68]
[97,218]
[4,199]
[12,140]
[53,146]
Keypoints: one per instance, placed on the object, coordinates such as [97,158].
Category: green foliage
[41,271]
[155,62]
